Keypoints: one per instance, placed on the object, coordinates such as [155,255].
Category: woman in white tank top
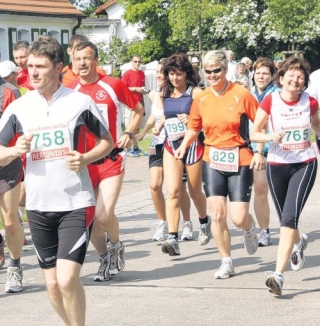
[291,161]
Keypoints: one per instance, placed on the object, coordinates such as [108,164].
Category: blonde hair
[214,57]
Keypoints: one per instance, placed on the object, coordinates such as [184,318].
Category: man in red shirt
[20,56]
[106,175]
[69,72]
[134,79]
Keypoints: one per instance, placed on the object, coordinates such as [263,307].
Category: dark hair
[21,45]
[49,47]
[265,62]
[297,64]
[82,45]
[178,61]
[76,38]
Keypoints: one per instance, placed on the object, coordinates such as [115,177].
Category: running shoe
[226,270]
[161,231]
[132,153]
[297,256]
[140,152]
[116,259]
[251,241]
[264,238]
[275,283]
[2,257]
[205,232]
[171,247]
[14,280]
[187,230]
[103,271]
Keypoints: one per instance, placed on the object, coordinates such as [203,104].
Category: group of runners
[67,133]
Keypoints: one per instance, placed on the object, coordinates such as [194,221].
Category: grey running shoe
[187,230]
[171,247]
[103,271]
[2,257]
[116,259]
[14,280]
[297,256]
[275,283]
[264,238]
[161,231]
[226,270]
[205,232]
[251,241]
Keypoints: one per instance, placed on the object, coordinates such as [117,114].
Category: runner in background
[263,74]
[69,73]
[178,92]
[10,185]
[156,168]
[110,95]
[134,79]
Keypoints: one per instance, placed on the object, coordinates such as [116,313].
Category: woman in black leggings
[291,160]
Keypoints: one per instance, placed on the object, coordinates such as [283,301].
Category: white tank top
[157,113]
[295,120]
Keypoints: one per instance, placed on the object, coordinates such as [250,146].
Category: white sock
[117,244]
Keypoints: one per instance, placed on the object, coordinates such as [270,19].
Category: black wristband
[130,134]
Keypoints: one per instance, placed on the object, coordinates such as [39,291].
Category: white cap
[6,68]
[194,60]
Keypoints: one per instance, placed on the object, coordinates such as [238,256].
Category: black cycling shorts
[236,185]
[10,175]
[61,235]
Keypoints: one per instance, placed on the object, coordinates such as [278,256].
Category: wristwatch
[259,151]
[130,134]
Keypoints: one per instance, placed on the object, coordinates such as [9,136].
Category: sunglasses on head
[215,71]
[137,61]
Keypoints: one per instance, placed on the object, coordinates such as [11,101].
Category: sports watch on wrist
[259,151]
[130,134]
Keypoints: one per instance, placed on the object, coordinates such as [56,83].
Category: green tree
[289,21]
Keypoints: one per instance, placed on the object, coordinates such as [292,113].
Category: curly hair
[178,61]
[295,63]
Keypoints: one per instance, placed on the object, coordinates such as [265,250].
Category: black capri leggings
[290,186]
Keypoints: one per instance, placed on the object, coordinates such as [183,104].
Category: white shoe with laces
[161,231]
[187,231]
[297,256]
[226,270]
[251,241]
[264,238]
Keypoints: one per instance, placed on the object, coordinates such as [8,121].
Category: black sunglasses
[215,71]
[137,61]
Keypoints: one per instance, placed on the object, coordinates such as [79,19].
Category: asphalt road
[155,289]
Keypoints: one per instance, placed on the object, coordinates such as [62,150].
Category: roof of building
[102,8]
[54,8]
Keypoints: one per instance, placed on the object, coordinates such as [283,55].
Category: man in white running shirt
[60,202]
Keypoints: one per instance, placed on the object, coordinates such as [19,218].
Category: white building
[27,19]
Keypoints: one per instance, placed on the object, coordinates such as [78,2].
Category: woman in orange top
[223,111]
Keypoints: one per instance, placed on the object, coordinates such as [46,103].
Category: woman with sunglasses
[178,92]
[223,111]
[291,160]
[156,167]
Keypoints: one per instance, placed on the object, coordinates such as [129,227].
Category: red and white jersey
[293,118]
[110,94]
